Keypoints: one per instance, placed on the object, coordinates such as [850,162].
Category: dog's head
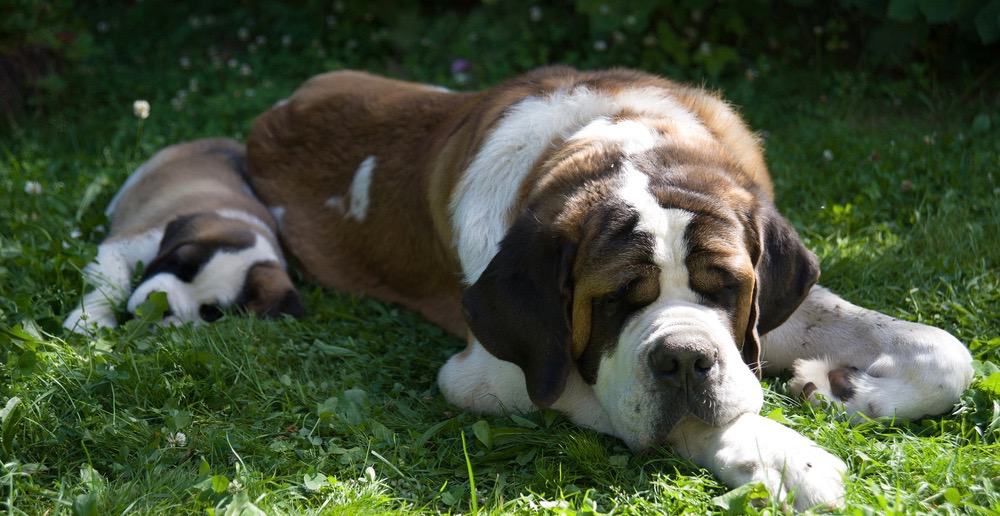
[654,280]
[207,262]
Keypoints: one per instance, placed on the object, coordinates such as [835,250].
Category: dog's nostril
[662,361]
[703,364]
[672,366]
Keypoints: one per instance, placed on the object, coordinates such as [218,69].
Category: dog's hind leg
[110,274]
[871,363]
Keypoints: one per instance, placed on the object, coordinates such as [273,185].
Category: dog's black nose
[680,367]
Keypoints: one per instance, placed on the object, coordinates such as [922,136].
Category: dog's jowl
[190,218]
[608,242]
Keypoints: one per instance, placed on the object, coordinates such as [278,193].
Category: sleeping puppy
[188,215]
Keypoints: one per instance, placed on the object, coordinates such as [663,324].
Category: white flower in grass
[177,440]
[32,187]
[286,40]
[74,233]
[140,109]
[243,33]
[600,45]
[235,486]
[535,13]
[185,62]
[245,70]
[827,155]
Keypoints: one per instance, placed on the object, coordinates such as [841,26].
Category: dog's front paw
[182,307]
[756,449]
[813,476]
[87,322]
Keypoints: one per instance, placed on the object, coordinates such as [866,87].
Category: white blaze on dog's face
[651,288]
[676,355]
[209,261]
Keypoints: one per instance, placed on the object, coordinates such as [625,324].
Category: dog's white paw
[788,464]
[182,307]
[812,475]
[87,322]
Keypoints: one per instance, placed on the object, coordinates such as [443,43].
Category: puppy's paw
[182,307]
[86,323]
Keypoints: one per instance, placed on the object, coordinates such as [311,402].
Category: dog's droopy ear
[519,308]
[268,292]
[786,270]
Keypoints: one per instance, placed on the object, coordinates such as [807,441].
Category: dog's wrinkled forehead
[643,243]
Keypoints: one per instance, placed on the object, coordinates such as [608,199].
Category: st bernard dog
[609,244]
[190,218]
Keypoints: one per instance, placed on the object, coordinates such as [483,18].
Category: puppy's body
[189,216]
[610,240]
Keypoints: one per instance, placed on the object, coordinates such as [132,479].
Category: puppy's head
[654,285]
[207,262]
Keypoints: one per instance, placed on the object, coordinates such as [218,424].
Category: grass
[339,412]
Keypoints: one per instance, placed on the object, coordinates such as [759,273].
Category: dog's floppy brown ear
[519,308]
[786,270]
[750,351]
[268,292]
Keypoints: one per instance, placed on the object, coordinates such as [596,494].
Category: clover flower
[140,109]
[32,187]
[177,440]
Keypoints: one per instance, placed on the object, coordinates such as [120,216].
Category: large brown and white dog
[609,243]
[189,216]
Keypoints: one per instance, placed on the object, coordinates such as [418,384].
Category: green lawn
[895,183]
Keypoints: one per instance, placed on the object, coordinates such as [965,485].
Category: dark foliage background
[48,48]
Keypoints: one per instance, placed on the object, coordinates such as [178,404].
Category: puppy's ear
[519,308]
[268,292]
[786,270]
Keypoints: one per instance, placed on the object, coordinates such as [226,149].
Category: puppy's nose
[680,367]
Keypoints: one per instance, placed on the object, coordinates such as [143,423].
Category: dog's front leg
[110,275]
[871,363]
[752,448]
[477,381]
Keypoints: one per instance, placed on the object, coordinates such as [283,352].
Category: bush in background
[468,44]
